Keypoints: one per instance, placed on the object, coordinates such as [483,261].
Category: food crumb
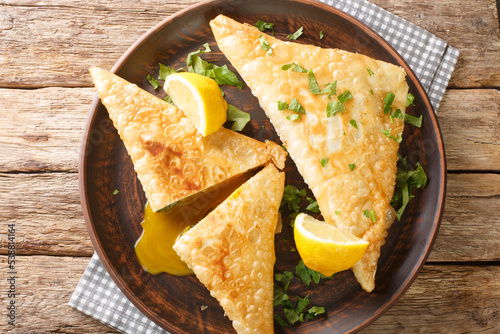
[203,307]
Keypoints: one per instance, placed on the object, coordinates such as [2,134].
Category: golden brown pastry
[231,251]
[171,158]
[344,144]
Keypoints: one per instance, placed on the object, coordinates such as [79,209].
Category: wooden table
[46,48]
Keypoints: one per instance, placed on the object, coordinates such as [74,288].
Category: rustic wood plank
[66,38]
[470,229]
[46,210]
[470,124]
[446,299]
[442,298]
[470,26]
[44,287]
[42,128]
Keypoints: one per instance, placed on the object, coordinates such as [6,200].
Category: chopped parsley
[165,71]
[351,166]
[116,192]
[332,108]
[296,106]
[295,67]
[353,123]
[240,118]
[389,98]
[330,89]
[409,99]
[370,214]
[282,105]
[264,45]
[321,34]
[345,96]
[221,74]
[337,212]
[313,84]
[387,133]
[406,181]
[153,82]
[296,34]
[371,91]
[313,206]
[307,275]
[293,117]
[261,25]
[370,71]
[416,121]
[323,162]
[292,197]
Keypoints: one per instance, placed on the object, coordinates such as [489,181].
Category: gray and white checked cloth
[432,60]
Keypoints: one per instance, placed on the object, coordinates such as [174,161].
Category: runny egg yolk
[154,249]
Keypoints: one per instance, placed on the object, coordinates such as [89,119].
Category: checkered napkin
[432,60]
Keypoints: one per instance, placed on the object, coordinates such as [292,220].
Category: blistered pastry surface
[171,158]
[343,195]
[231,251]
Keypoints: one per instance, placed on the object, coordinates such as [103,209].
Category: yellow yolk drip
[161,229]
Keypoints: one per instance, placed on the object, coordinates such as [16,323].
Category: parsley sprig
[406,181]
[296,34]
[298,312]
[261,25]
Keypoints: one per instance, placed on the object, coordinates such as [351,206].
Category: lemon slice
[325,248]
[200,98]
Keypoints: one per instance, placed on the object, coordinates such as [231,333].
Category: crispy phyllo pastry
[231,251]
[171,158]
[340,116]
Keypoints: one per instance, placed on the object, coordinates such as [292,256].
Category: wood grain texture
[44,287]
[66,37]
[470,26]
[458,298]
[470,124]
[42,128]
[46,210]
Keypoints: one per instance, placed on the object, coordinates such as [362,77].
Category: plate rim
[334,11]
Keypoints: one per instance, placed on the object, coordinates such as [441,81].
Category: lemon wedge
[200,98]
[325,248]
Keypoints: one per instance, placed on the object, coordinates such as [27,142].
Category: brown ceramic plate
[114,221]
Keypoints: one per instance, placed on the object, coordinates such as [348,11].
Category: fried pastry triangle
[231,251]
[348,158]
[171,158]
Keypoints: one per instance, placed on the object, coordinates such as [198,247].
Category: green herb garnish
[371,91]
[169,100]
[165,71]
[389,98]
[370,71]
[351,166]
[409,99]
[345,96]
[313,84]
[296,34]
[282,105]
[337,212]
[321,35]
[261,25]
[293,117]
[416,121]
[332,108]
[116,192]
[296,106]
[295,67]
[264,45]
[153,82]
[323,161]
[313,207]
[387,133]
[353,123]
[240,118]
[222,75]
[292,197]
[406,181]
